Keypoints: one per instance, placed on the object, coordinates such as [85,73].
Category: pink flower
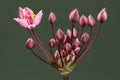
[102,16]
[27,18]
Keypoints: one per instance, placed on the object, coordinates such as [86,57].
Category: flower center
[29,18]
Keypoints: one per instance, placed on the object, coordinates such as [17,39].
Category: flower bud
[76,43]
[75,33]
[74,16]
[83,21]
[66,39]
[68,58]
[63,53]
[68,47]
[85,38]
[72,56]
[91,21]
[69,33]
[77,50]
[30,43]
[60,35]
[56,55]
[52,42]
[102,16]
[52,18]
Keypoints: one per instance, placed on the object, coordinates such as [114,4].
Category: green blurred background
[18,63]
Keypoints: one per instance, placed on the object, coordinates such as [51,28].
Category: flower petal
[23,23]
[21,14]
[38,18]
[28,11]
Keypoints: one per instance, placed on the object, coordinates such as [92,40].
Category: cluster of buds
[66,49]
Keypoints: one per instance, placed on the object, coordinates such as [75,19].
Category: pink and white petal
[38,18]
[22,22]
[21,14]
[28,11]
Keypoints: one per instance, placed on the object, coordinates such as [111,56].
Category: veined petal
[28,11]
[22,22]
[38,18]
[21,13]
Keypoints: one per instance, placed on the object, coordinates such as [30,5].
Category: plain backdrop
[18,63]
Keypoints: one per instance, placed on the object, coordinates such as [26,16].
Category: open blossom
[28,19]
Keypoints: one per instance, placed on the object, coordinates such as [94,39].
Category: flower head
[27,18]
[66,49]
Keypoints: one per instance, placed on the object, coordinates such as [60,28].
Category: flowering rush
[66,49]
[28,19]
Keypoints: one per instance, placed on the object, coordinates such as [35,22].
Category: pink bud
[63,53]
[76,43]
[69,34]
[74,15]
[30,43]
[52,18]
[83,20]
[68,47]
[75,33]
[91,21]
[66,39]
[77,50]
[85,38]
[102,16]
[60,35]
[56,54]
[52,42]
[72,56]
[58,42]
[68,58]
